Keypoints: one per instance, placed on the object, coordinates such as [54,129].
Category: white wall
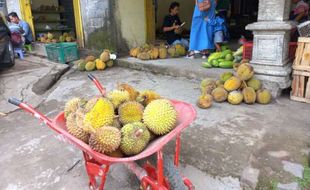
[132,21]
[13,6]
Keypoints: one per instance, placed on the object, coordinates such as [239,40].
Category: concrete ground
[226,147]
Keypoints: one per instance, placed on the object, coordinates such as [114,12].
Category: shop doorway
[243,12]
[54,16]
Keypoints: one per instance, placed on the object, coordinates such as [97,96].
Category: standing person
[201,37]
[172,26]
[27,33]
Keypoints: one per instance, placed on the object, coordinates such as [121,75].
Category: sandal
[205,55]
[191,55]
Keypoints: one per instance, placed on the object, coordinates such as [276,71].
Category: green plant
[304,183]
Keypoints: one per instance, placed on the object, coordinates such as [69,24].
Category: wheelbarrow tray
[186,115]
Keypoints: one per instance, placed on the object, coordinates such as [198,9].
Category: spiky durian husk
[135,137]
[160,116]
[90,104]
[106,139]
[72,105]
[102,114]
[147,97]
[118,97]
[133,93]
[130,112]
[74,129]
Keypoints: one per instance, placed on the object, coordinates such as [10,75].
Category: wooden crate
[301,86]
[302,57]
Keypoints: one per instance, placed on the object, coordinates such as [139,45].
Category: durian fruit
[105,56]
[147,96]
[74,129]
[235,66]
[235,97]
[172,52]
[134,52]
[180,50]
[69,39]
[81,65]
[102,114]
[50,36]
[245,72]
[144,56]
[100,65]
[110,63]
[118,97]
[117,123]
[130,112]
[133,93]
[233,83]
[146,47]
[219,83]
[90,66]
[205,101]
[48,40]
[219,94]
[43,40]
[263,96]
[90,58]
[249,95]
[72,105]
[116,154]
[163,52]
[207,85]
[225,76]
[54,40]
[160,116]
[61,39]
[65,34]
[135,137]
[90,104]
[105,140]
[154,53]
[254,83]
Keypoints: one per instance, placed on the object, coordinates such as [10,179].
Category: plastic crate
[304,29]
[248,48]
[62,52]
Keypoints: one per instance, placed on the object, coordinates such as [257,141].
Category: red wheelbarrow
[97,164]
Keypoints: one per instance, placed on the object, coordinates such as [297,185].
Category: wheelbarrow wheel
[171,172]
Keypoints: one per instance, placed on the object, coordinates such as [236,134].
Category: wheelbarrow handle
[97,83]
[14,101]
[31,110]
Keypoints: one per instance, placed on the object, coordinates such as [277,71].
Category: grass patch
[305,182]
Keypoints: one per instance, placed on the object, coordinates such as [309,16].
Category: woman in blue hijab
[201,37]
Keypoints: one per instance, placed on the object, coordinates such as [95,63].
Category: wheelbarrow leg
[94,170]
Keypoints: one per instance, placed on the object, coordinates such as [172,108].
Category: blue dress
[201,37]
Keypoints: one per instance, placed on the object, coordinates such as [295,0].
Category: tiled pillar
[271,39]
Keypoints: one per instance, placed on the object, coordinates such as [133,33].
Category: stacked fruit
[224,59]
[52,38]
[91,63]
[122,123]
[242,86]
[147,52]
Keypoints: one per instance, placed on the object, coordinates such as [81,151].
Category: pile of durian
[234,88]
[148,52]
[123,122]
[91,63]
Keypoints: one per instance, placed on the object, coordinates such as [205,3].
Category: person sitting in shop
[172,26]
[26,31]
